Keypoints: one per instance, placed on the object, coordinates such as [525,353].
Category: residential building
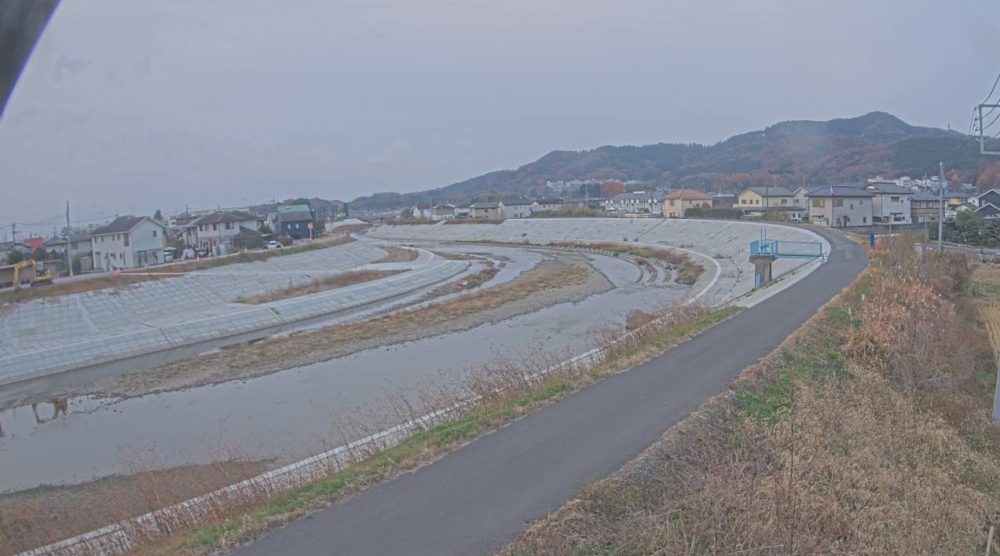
[517,208]
[443,212]
[128,242]
[635,203]
[295,221]
[491,211]
[924,207]
[991,197]
[677,203]
[547,205]
[34,243]
[989,211]
[222,231]
[422,210]
[764,197]
[789,213]
[723,200]
[840,206]
[80,249]
[799,197]
[891,203]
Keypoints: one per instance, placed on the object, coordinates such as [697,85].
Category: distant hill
[787,154]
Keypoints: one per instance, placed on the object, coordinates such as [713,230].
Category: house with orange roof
[676,204]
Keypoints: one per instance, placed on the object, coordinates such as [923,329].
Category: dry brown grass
[284,352]
[340,280]
[637,318]
[50,513]
[395,254]
[110,281]
[867,432]
[474,281]
[686,270]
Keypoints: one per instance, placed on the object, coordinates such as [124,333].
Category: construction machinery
[25,272]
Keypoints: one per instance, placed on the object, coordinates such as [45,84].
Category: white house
[216,230]
[840,206]
[128,242]
[443,212]
[547,205]
[891,203]
[518,208]
[637,202]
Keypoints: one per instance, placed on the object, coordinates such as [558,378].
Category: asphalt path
[480,497]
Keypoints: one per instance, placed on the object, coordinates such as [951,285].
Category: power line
[987,101]
[983,128]
[989,96]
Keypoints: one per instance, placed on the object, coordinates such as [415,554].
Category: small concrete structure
[762,274]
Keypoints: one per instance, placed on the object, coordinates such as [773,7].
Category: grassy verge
[47,514]
[506,392]
[340,280]
[868,431]
[395,254]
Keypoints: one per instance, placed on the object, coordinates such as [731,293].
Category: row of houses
[138,241]
[829,205]
[495,210]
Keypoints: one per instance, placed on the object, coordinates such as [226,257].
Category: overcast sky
[130,106]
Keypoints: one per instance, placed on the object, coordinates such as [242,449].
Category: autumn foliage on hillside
[788,154]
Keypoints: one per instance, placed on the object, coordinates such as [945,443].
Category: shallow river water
[290,414]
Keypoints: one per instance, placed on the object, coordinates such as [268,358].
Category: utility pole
[69,234]
[941,209]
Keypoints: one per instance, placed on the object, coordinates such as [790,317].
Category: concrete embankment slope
[478,498]
[726,243]
[48,336]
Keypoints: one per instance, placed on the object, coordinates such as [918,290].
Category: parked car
[273,245]
[203,252]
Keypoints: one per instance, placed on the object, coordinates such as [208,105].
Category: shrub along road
[478,498]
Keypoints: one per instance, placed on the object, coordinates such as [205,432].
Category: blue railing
[781,248]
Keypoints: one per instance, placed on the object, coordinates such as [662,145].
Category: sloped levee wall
[48,336]
[727,243]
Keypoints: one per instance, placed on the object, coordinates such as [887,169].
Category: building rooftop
[888,188]
[122,224]
[924,196]
[223,216]
[688,194]
[840,191]
[771,191]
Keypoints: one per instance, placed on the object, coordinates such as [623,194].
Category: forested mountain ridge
[787,154]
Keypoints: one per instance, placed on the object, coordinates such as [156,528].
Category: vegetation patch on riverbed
[339,280]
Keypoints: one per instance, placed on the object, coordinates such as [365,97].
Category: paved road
[478,498]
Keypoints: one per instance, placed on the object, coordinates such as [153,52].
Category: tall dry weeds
[868,433]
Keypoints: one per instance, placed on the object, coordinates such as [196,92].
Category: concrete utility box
[761,269]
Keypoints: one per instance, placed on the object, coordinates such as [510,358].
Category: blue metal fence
[781,248]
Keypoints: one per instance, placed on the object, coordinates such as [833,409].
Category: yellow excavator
[40,276]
